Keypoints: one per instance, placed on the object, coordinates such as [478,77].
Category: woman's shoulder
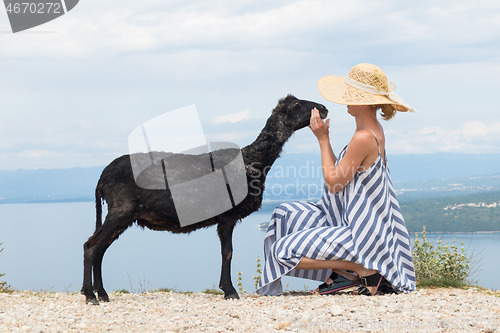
[363,144]
[363,137]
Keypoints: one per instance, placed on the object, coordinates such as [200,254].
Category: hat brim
[334,89]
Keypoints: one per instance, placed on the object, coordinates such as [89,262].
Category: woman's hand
[319,127]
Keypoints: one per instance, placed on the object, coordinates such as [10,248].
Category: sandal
[386,288]
[339,283]
[373,280]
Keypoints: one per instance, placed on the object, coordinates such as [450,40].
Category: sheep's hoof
[92,301]
[232,296]
[103,297]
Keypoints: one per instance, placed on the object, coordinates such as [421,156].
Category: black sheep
[154,209]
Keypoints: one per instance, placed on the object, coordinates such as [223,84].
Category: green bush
[122,291]
[256,278]
[4,288]
[1,249]
[213,291]
[240,282]
[442,265]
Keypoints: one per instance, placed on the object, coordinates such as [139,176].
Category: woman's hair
[387,111]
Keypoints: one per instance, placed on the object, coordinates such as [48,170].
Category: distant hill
[425,185]
[299,176]
[446,187]
[48,185]
[459,213]
[293,176]
[418,167]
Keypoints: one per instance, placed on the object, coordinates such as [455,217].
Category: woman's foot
[369,284]
[338,283]
[338,280]
[347,274]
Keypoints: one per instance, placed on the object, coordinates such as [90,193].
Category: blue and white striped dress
[362,223]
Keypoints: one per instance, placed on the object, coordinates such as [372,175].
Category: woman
[357,226]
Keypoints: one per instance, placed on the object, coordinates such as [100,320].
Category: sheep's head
[296,113]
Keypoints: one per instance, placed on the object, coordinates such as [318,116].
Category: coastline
[265,204]
[429,310]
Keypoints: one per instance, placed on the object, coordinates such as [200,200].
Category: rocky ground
[426,310]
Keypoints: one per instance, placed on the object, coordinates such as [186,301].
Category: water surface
[44,250]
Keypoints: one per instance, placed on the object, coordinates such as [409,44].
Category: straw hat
[366,84]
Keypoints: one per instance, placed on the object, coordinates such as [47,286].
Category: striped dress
[362,223]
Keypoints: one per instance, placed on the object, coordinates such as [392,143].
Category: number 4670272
[34,8]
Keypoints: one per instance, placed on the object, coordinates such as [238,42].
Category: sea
[43,251]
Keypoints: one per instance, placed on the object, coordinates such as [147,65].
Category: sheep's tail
[98,208]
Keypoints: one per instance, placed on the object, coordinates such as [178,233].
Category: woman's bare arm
[337,177]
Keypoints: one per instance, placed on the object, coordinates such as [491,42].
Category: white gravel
[426,310]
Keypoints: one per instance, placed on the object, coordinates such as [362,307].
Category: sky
[72,90]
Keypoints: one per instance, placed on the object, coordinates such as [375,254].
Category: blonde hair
[387,110]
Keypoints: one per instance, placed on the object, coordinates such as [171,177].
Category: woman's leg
[347,274]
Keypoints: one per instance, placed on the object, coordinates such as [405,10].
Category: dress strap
[378,146]
[376,139]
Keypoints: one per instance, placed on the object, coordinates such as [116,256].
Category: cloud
[478,128]
[471,137]
[109,28]
[112,67]
[232,118]
[242,138]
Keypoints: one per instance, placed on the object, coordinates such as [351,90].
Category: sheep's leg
[225,231]
[94,250]
[98,285]
[88,259]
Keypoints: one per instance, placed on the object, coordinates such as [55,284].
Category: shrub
[213,291]
[256,278]
[240,283]
[122,291]
[442,265]
[4,288]
[1,249]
